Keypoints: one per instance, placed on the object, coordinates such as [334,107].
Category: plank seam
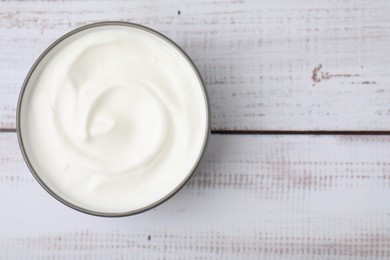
[271,132]
[297,132]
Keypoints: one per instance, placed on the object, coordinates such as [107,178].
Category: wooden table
[298,166]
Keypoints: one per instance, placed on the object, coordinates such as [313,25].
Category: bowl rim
[172,192]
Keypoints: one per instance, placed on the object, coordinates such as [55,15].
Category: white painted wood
[268,65]
[254,197]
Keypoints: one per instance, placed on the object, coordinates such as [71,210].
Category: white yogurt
[113,119]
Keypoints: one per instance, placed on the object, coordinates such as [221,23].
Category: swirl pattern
[119,114]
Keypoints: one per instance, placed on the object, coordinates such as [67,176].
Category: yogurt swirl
[113,119]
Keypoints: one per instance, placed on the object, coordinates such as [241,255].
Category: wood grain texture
[254,197]
[268,65]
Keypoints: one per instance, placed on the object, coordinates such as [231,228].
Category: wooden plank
[267,197]
[268,65]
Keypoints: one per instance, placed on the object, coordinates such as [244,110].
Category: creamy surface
[113,119]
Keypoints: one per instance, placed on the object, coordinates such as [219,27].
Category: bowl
[22,132]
